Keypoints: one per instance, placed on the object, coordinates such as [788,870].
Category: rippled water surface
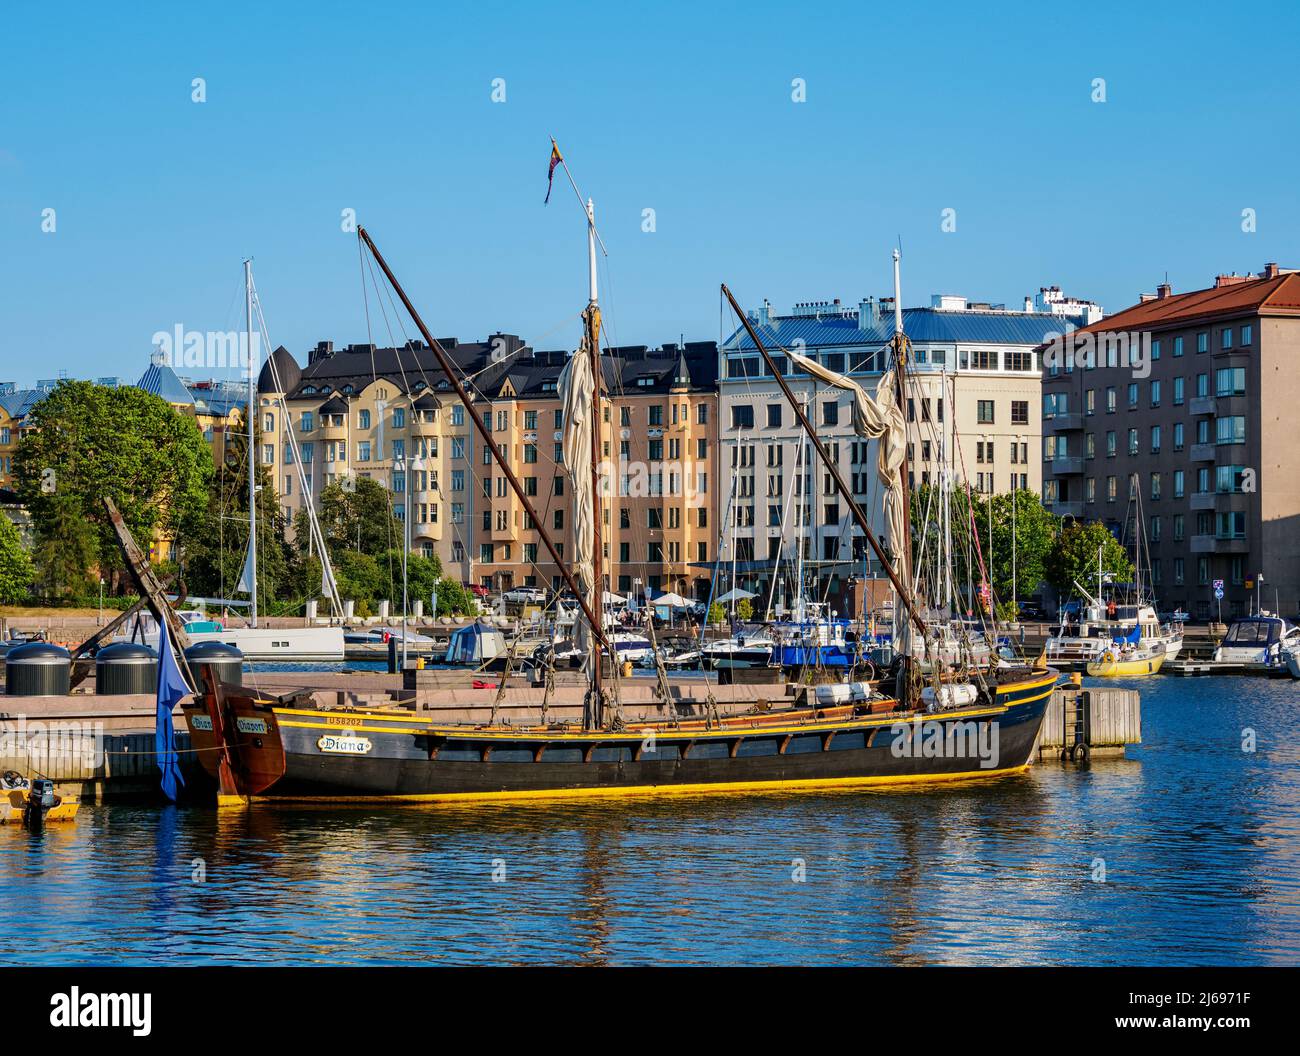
[1199,841]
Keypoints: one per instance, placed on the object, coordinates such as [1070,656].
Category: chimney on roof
[1029,304]
[1144,297]
[1164,290]
[1271,270]
[868,313]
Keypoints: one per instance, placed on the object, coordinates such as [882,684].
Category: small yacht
[1077,645]
[740,650]
[1258,641]
[816,640]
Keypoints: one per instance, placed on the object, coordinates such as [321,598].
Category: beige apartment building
[975,402]
[389,414]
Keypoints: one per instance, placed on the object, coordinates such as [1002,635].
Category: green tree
[360,520]
[92,442]
[1074,557]
[745,609]
[359,577]
[454,599]
[65,549]
[717,614]
[16,571]
[1034,535]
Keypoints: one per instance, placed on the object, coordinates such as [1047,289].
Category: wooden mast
[834,470]
[592,318]
[449,371]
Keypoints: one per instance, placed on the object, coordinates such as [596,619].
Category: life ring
[1109,657]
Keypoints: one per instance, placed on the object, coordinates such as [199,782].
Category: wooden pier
[1086,723]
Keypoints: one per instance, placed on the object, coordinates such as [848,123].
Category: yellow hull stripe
[403,716]
[661,733]
[793,785]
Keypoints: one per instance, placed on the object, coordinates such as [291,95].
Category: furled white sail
[878,419]
[246,576]
[577,391]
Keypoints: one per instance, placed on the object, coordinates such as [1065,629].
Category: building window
[742,417]
[1178,436]
[830,414]
[1247,332]
[1178,347]
[1225,339]
[984,412]
[774,416]
[1019,412]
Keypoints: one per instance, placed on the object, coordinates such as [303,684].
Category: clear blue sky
[386,108]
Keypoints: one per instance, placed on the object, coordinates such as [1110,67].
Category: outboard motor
[41,799]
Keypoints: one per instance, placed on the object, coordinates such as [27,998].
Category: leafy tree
[92,442]
[16,571]
[745,609]
[454,599]
[360,520]
[422,573]
[717,614]
[1035,529]
[359,577]
[1074,557]
[65,549]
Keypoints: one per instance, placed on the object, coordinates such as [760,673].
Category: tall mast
[252,438]
[592,319]
[453,378]
[901,629]
[842,488]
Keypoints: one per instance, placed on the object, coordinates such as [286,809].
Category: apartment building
[389,414]
[1188,400]
[974,406]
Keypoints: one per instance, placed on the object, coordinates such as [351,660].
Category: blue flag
[171,690]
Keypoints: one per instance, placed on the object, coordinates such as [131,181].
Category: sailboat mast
[252,450]
[453,378]
[834,470]
[597,563]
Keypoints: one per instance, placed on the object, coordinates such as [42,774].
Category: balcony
[1202,500]
[1069,466]
[1201,405]
[426,530]
[1068,509]
[1202,452]
[1213,544]
[1063,423]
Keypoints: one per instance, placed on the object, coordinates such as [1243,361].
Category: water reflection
[1200,844]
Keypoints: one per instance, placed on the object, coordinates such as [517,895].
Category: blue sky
[386,108]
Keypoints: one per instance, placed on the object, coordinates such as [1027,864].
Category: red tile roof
[1276,296]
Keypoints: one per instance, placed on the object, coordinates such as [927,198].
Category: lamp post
[400,466]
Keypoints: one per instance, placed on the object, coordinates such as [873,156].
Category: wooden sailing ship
[612,735]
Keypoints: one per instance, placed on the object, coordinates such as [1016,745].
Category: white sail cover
[577,392]
[245,584]
[877,419]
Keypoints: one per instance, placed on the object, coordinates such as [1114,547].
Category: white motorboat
[740,650]
[1259,641]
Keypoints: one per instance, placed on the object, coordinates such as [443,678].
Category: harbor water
[1185,852]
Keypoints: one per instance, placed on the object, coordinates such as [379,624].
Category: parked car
[478,590]
[526,596]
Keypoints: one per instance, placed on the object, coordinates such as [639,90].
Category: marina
[1198,838]
[540,489]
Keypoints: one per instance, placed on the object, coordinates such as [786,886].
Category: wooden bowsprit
[152,592]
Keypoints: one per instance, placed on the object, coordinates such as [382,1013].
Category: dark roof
[335,405]
[1279,295]
[280,365]
[486,367]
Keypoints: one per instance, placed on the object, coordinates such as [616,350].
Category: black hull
[383,760]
